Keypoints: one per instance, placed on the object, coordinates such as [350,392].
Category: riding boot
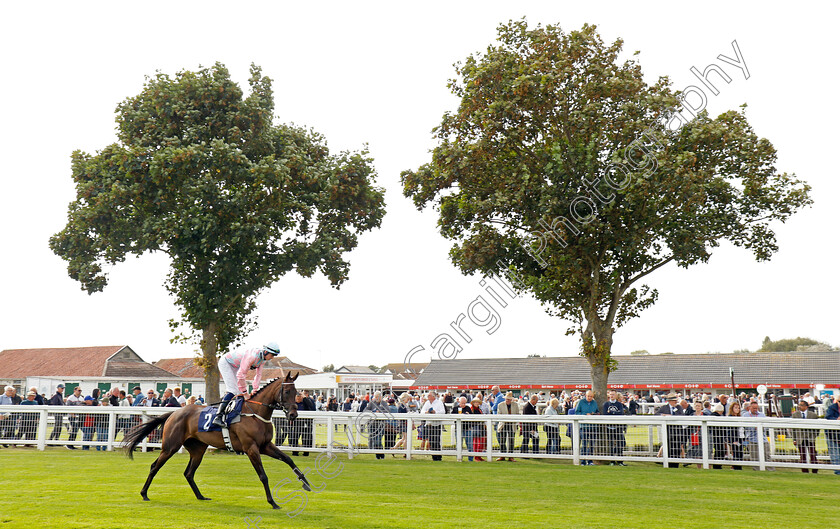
[220,418]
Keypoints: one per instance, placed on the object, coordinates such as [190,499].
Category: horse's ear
[295,377]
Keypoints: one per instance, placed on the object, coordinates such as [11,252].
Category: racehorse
[251,435]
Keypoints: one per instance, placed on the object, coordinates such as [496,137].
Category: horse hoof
[145,498]
[204,498]
[306,487]
[275,506]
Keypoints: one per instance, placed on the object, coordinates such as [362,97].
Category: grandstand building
[784,372]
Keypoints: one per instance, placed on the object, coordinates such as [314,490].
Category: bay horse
[251,435]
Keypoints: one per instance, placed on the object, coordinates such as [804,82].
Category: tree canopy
[202,173]
[787,345]
[560,171]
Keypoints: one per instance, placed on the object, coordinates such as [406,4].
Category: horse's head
[285,398]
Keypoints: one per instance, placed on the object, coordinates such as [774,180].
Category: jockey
[234,367]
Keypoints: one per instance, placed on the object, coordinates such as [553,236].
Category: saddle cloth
[205,418]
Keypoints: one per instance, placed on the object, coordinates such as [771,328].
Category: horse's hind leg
[196,449]
[165,454]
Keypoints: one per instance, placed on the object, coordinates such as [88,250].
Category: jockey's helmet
[272,348]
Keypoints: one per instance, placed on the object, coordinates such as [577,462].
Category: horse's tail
[136,435]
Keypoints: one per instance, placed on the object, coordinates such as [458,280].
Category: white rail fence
[706,441]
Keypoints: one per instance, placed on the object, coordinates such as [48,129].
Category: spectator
[137,400]
[552,430]
[306,425]
[74,420]
[805,438]
[124,422]
[752,435]
[39,399]
[150,400]
[402,407]
[588,431]
[478,430]
[718,436]
[737,436]
[89,420]
[674,432]
[432,428]
[169,400]
[832,437]
[58,419]
[530,432]
[615,432]
[506,430]
[29,421]
[633,406]
[182,400]
[466,430]
[7,429]
[496,398]
[376,428]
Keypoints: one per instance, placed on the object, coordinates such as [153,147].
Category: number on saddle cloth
[205,418]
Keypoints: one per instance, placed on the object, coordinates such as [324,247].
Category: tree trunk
[209,347]
[597,346]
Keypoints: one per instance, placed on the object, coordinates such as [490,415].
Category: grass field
[62,489]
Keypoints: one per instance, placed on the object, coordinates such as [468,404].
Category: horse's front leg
[254,455]
[271,450]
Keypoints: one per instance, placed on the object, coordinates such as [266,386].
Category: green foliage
[640,352]
[329,368]
[792,344]
[202,174]
[541,142]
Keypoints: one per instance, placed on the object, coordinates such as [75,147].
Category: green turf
[63,489]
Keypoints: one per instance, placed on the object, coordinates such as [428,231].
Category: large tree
[203,174]
[563,170]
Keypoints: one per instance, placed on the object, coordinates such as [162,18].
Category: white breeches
[228,373]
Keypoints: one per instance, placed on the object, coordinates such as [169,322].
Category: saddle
[232,412]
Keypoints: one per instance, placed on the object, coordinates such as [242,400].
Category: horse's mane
[270,382]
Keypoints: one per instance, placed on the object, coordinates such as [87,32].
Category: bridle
[273,405]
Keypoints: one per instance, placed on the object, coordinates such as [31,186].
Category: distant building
[192,375]
[100,367]
[355,369]
[691,372]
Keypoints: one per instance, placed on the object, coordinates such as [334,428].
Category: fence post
[459,452]
[42,429]
[409,437]
[145,444]
[329,435]
[651,444]
[112,431]
[489,440]
[704,443]
[759,430]
[351,437]
[663,434]
[576,442]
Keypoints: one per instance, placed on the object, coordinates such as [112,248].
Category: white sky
[376,73]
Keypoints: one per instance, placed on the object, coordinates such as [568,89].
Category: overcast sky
[376,73]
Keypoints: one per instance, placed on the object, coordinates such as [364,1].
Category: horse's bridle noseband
[273,405]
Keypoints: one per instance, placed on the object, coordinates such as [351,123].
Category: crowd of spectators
[22,428]
[728,443]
